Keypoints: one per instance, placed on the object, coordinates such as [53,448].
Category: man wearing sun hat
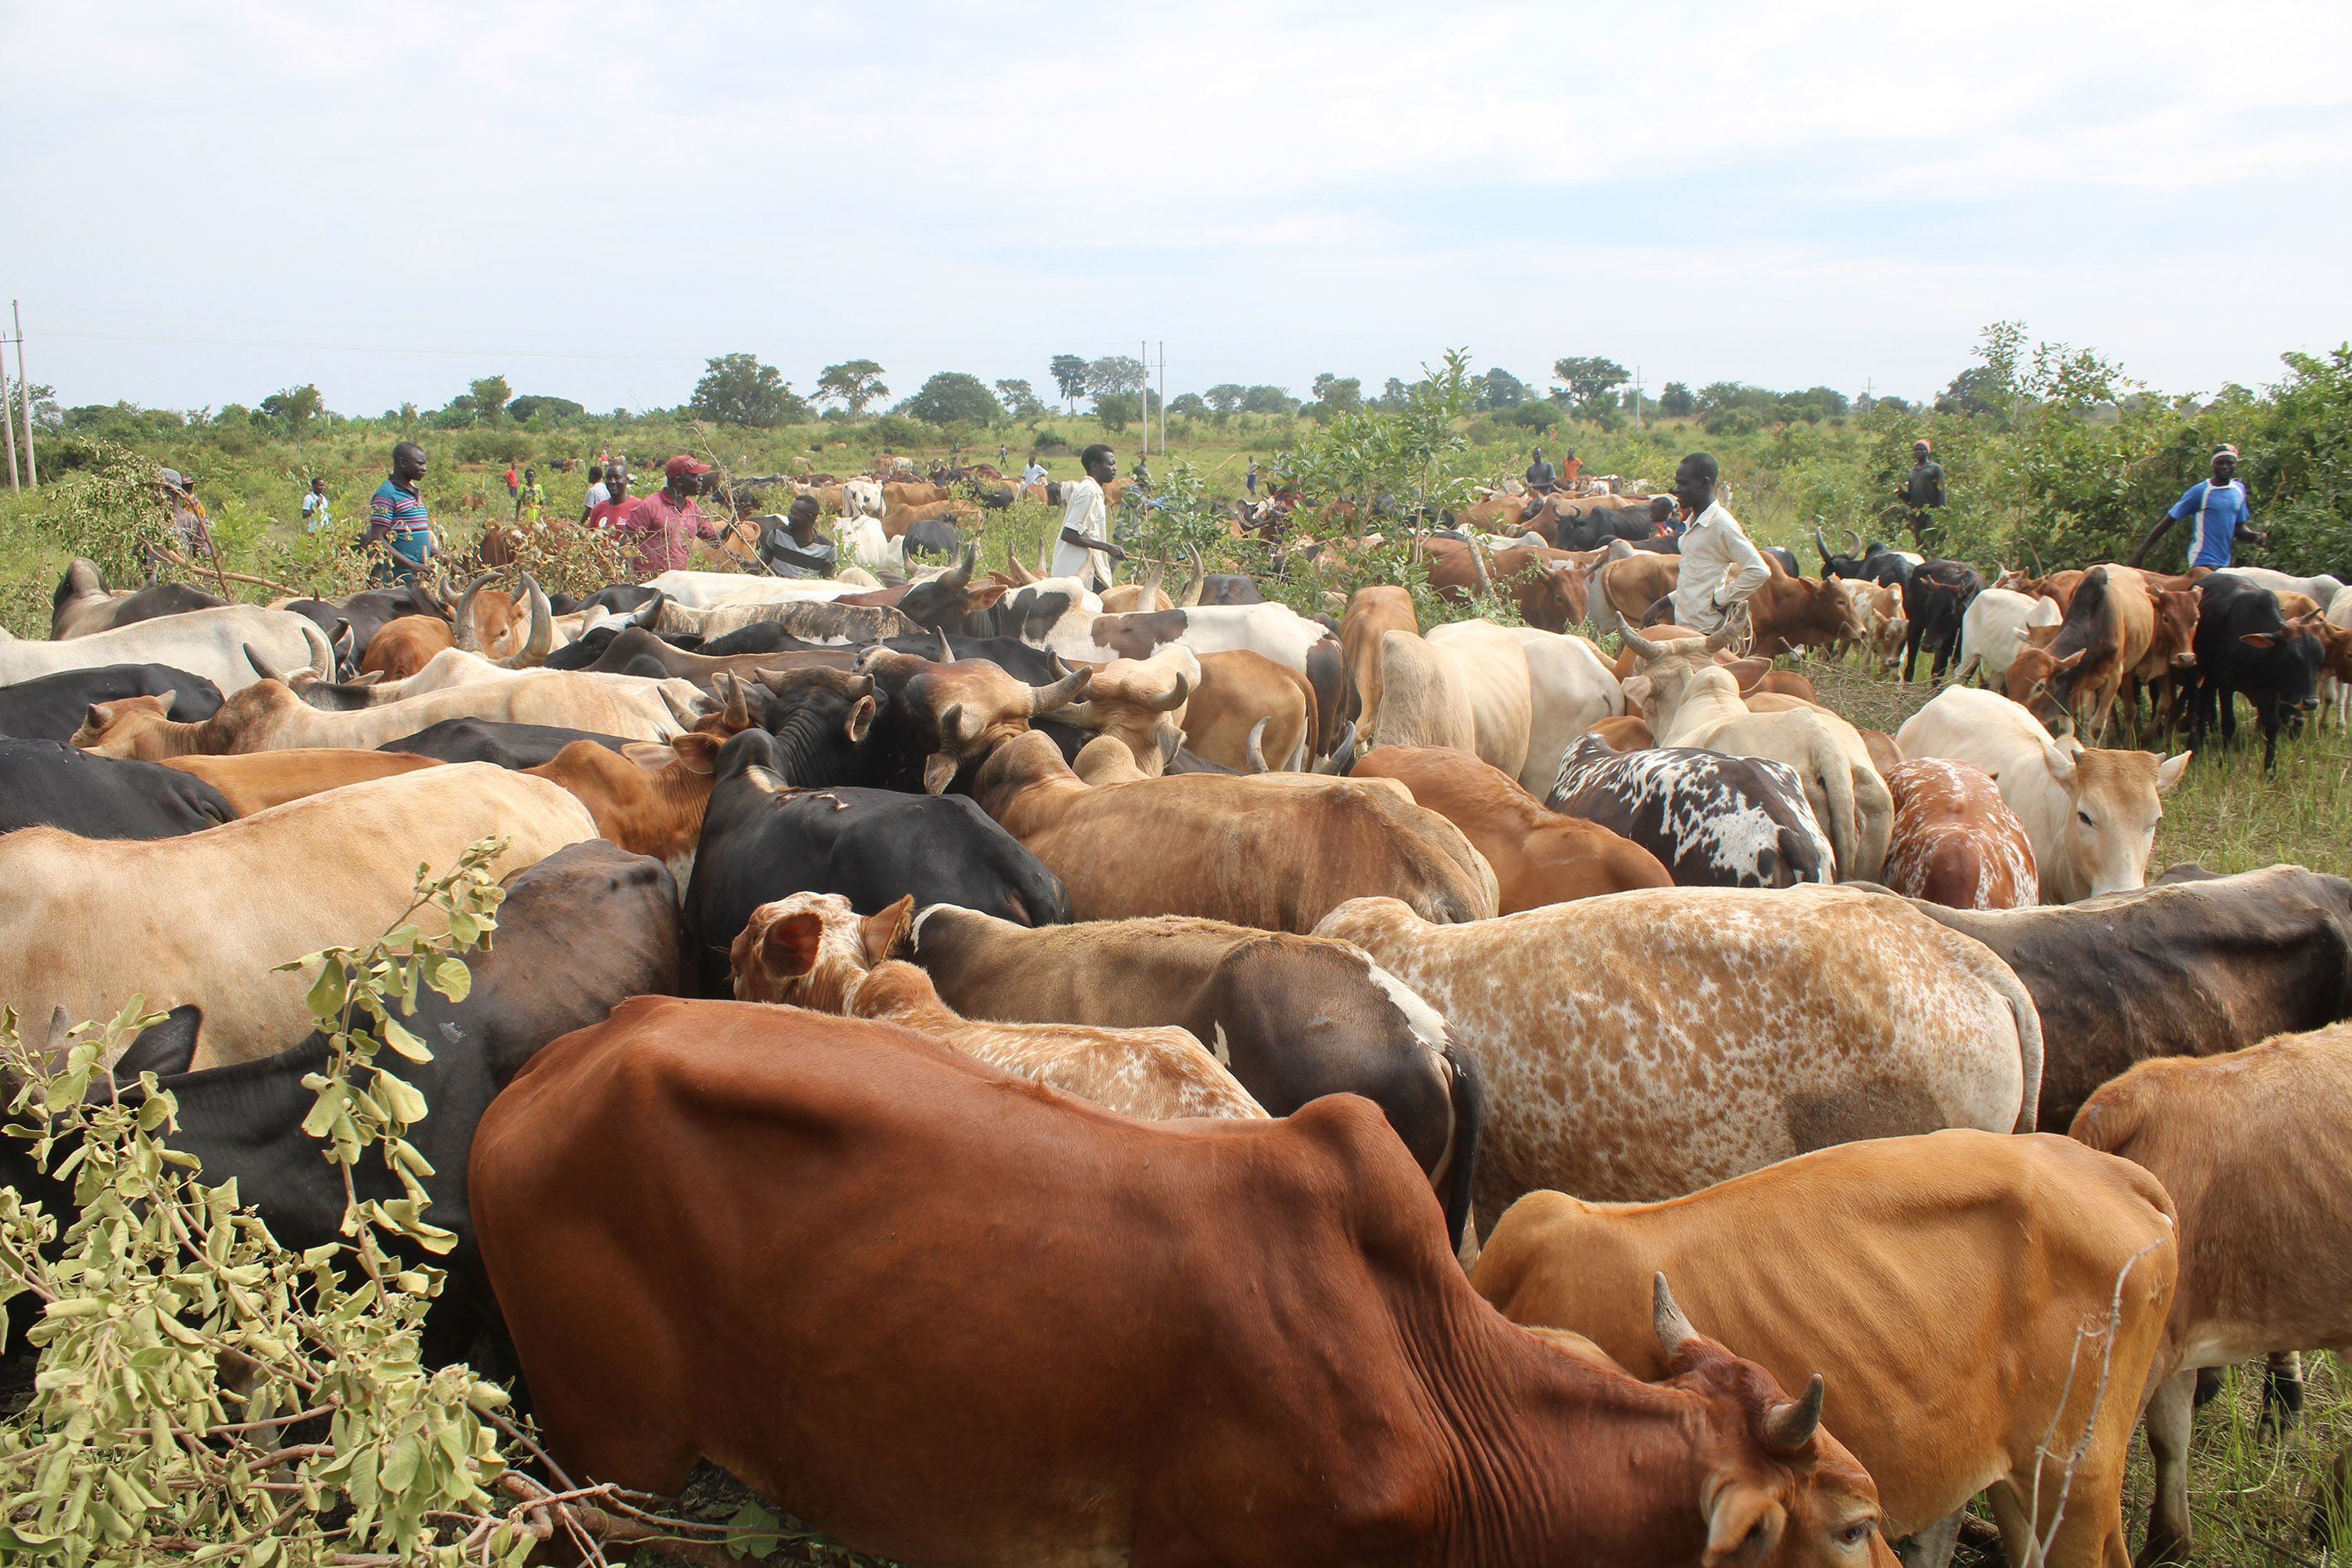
[2219,513]
[669,520]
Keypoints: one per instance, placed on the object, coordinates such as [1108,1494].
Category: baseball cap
[682,464]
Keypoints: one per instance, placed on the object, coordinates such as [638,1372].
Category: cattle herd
[1022,1075]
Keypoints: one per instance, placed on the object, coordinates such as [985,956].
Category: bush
[899,433]
[496,447]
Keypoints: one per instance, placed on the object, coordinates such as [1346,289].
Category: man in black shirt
[797,549]
[1923,492]
[1542,477]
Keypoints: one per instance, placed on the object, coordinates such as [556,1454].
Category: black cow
[46,784]
[1035,666]
[581,931]
[822,722]
[759,636]
[490,741]
[762,839]
[621,598]
[52,707]
[2244,645]
[1877,563]
[932,536]
[2184,968]
[1604,523]
[1936,596]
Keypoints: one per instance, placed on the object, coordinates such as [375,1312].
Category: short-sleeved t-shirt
[608,513]
[2224,509]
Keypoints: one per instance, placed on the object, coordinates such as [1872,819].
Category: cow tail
[1988,967]
[1844,826]
[1469,1099]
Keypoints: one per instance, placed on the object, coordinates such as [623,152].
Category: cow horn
[1082,714]
[1170,700]
[469,640]
[262,667]
[2037,572]
[649,614]
[441,591]
[542,630]
[1643,647]
[1045,698]
[1673,1330]
[946,654]
[1821,547]
[958,579]
[1149,599]
[738,712]
[1856,546]
[1254,749]
[1788,1427]
[1200,580]
[1724,635]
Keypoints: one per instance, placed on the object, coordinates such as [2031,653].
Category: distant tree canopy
[297,405]
[532,404]
[1582,379]
[1268,400]
[1225,397]
[737,389]
[489,395]
[953,397]
[853,383]
[1069,372]
[1117,410]
[1498,388]
[1338,393]
[1188,405]
[1020,399]
[1731,407]
[1116,373]
[1677,401]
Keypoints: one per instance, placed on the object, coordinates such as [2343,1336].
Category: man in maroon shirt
[669,520]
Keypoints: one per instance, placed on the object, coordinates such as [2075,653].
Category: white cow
[210,643]
[1992,632]
[2323,587]
[2091,815]
[861,497]
[1468,691]
[863,543]
[703,590]
[1570,687]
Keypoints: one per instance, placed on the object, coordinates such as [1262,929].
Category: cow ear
[651,756]
[696,752]
[860,720]
[2169,770]
[788,948]
[1637,690]
[165,1049]
[2260,639]
[882,933]
[1743,1523]
[938,772]
[2060,765]
[100,716]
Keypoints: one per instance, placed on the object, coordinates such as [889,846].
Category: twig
[2090,1422]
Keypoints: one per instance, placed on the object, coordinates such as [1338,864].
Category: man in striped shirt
[397,517]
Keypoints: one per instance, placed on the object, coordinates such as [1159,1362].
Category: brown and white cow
[1645,1045]
[2091,815]
[1940,1393]
[1956,841]
[808,1272]
[2255,1148]
[1539,856]
[1234,850]
[811,950]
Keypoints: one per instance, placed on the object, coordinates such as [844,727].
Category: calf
[1539,856]
[1791,611]
[1643,1046]
[2244,644]
[2103,638]
[2185,968]
[1936,597]
[1294,1017]
[649,799]
[2091,815]
[1297,1338]
[1879,1230]
[406,646]
[1992,632]
[45,785]
[1549,594]
[52,707]
[1956,841]
[2253,1146]
[1711,820]
[1235,850]
[811,950]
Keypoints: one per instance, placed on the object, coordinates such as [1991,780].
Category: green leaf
[326,998]
[449,975]
[399,1099]
[753,1531]
[407,1045]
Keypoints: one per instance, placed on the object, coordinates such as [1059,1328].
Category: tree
[490,395]
[1338,394]
[1117,410]
[1268,400]
[1020,399]
[1226,396]
[1584,378]
[1070,376]
[1498,388]
[853,383]
[1676,402]
[532,404]
[737,389]
[1187,406]
[297,405]
[952,396]
[1116,373]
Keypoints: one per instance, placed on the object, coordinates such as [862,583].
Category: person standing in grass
[314,506]
[1541,477]
[1034,474]
[1085,550]
[511,486]
[669,520]
[597,494]
[2219,511]
[1569,467]
[531,501]
[1922,494]
[1251,480]
[397,518]
[1719,566]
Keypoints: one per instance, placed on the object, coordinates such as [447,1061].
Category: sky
[593,198]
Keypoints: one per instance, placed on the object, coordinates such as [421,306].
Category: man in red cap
[669,520]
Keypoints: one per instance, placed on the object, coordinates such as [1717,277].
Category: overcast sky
[213,202]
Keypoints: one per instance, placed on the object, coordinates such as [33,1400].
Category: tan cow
[1239,691]
[1224,848]
[401,647]
[1844,1261]
[205,917]
[1370,613]
[811,950]
[1625,588]
[1539,856]
[264,779]
[1139,704]
[650,799]
[1956,841]
[1645,1045]
[2255,1147]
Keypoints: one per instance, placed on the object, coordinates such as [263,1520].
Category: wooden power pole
[24,396]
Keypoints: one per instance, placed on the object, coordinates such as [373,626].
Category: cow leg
[2283,1392]
[1911,652]
[2168,1416]
[1931,1547]
[2331,1512]
[2017,1542]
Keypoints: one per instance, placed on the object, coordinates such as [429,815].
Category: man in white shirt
[1034,474]
[1084,550]
[314,508]
[1720,567]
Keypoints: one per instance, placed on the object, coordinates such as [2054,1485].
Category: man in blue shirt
[2219,513]
[397,517]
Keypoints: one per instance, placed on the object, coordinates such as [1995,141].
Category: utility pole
[8,423]
[1163,399]
[1637,397]
[24,396]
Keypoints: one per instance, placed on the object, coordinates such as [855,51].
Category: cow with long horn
[940,720]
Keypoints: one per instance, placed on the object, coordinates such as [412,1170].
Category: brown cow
[1539,856]
[1790,613]
[1370,611]
[1941,1392]
[2254,1147]
[2105,636]
[811,950]
[1956,841]
[964,709]
[402,647]
[2162,671]
[1227,848]
[1138,704]
[1624,589]
[899,519]
[1552,595]
[648,798]
[906,493]
[260,779]
[2056,585]
[1238,690]
[808,1272]
[1626,733]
